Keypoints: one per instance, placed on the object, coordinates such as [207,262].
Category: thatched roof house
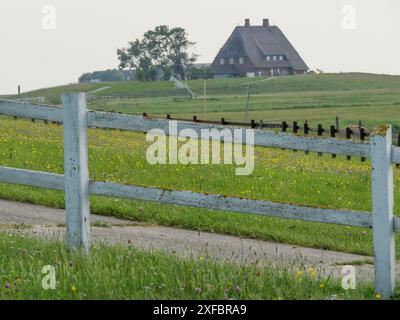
[258,51]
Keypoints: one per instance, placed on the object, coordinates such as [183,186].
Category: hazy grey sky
[88,32]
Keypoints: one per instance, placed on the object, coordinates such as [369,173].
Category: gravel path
[44,222]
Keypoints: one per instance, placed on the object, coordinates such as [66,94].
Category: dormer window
[281,58]
[231,60]
[268,58]
[222,61]
[241,60]
[274,58]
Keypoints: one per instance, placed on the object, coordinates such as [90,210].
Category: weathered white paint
[76,171]
[226,203]
[382,209]
[261,137]
[32,178]
[31,111]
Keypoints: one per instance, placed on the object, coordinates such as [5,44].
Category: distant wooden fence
[77,186]
[360,132]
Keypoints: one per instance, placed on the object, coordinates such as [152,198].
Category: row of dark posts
[334,130]
[44,121]
[295,127]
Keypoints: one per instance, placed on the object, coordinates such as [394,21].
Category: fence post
[295,130]
[398,143]
[349,132]
[284,126]
[362,138]
[333,134]
[306,131]
[382,209]
[320,133]
[76,171]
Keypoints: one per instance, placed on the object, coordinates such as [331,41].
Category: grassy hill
[301,83]
[371,98]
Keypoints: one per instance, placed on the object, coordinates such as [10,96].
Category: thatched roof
[257,42]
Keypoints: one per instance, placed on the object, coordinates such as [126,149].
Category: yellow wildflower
[312,272]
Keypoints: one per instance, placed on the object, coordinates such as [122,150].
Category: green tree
[107,75]
[194,73]
[162,49]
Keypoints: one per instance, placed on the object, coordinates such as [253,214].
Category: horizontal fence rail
[193,199]
[77,187]
[30,111]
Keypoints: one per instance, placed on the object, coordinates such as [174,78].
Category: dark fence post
[333,134]
[253,124]
[194,119]
[168,116]
[284,126]
[320,132]
[295,130]
[306,131]
[223,121]
[306,128]
[362,138]
[349,132]
[295,127]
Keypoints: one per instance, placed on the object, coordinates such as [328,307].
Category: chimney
[247,22]
[266,23]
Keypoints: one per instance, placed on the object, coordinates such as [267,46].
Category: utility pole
[19,90]
[337,124]
[246,116]
[205,100]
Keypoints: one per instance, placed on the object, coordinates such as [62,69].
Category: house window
[231,60]
[274,58]
[281,58]
[268,58]
[222,61]
[241,60]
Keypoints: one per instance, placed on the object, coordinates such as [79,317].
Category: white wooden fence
[77,186]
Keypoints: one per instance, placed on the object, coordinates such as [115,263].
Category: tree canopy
[163,51]
[108,75]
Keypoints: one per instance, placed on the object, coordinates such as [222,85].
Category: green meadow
[279,175]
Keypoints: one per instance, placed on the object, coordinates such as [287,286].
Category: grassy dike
[122,272]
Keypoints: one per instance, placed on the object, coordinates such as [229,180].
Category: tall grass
[122,272]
